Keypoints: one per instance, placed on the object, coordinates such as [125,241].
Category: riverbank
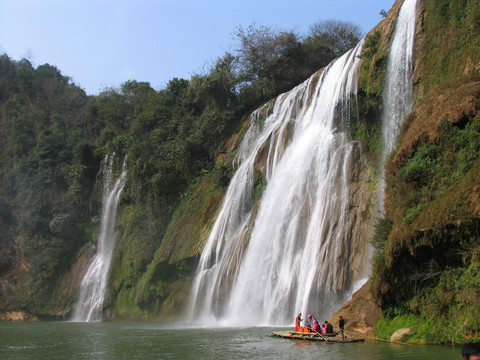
[364,318]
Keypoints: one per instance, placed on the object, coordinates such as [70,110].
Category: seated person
[328,327]
[323,330]
[307,327]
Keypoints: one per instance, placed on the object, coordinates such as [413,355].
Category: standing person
[341,325]
[471,351]
[315,326]
[298,320]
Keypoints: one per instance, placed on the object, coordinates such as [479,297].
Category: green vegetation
[428,268]
[165,280]
[445,314]
[452,40]
[46,170]
[374,64]
[366,126]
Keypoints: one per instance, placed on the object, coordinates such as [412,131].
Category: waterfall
[300,249]
[92,289]
[397,97]
[296,254]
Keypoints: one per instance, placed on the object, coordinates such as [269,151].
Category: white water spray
[92,290]
[299,251]
[397,99]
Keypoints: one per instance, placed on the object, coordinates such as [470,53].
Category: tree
[259,46]
[340,36]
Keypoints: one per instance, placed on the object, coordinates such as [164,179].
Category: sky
[102,43]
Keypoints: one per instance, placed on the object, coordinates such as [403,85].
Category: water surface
[151,340]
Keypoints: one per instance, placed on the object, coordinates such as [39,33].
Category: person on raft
[341,326]
[308,326]
[315,324]
[298,320]
[328,327]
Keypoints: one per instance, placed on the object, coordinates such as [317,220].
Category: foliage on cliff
[47,168]
[426,265]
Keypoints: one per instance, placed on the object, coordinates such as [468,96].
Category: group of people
[314,326]
[470,351]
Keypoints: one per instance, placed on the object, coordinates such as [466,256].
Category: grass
[447,313]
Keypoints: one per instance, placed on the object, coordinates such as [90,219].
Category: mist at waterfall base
[89,305]
[297,257]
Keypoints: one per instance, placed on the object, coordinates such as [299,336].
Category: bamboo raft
[335,338]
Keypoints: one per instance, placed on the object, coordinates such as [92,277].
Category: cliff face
[425,268]
[429,261]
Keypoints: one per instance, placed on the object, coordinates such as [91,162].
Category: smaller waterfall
[92,289]
[398,93]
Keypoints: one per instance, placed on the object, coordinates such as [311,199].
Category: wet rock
[397,335]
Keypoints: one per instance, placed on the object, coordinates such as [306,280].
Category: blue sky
[102,43]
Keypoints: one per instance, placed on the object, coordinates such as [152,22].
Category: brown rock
[360,313]
[397,335]
[69,283]
[16,316]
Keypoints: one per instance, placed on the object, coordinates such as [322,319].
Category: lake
[153,340]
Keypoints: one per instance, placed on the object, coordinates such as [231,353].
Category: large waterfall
[397,97]
[92,289]
[303,247]
[298,255]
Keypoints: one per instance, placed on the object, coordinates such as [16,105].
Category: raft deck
[315,337]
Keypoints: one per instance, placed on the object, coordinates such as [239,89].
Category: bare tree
[259,45]
[340,36]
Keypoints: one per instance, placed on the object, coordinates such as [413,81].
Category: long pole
[323,337]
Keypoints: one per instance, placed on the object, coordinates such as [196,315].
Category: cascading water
[92,289]
[397,98]
[299,250]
